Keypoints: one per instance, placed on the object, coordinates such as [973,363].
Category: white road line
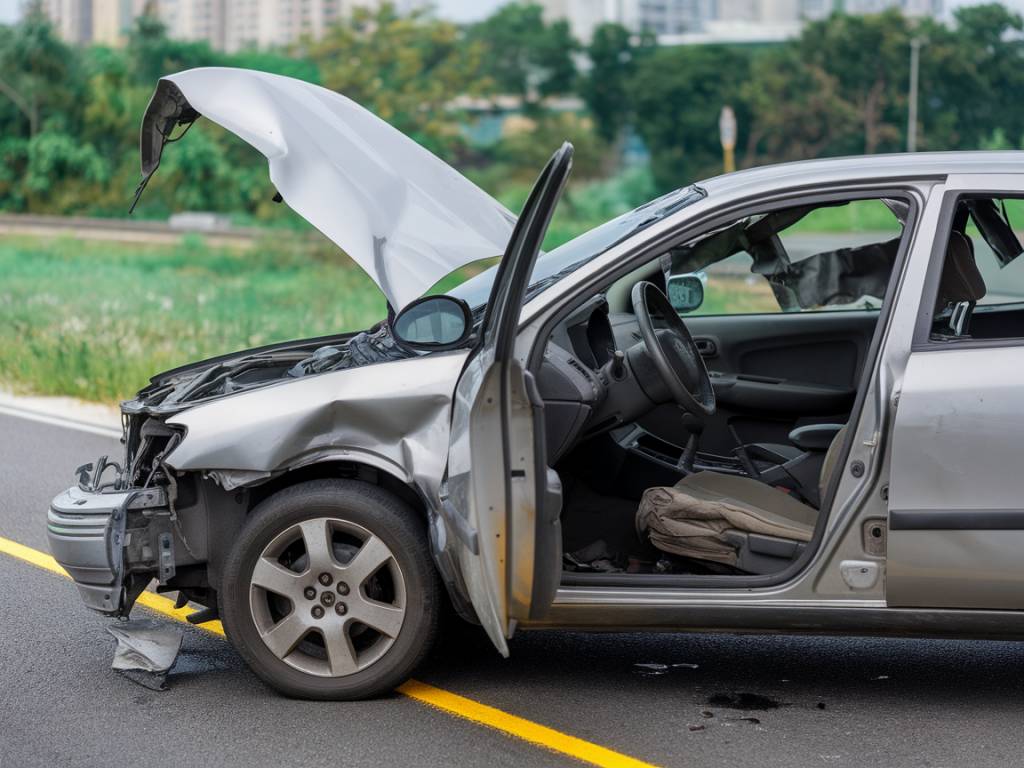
[57,421]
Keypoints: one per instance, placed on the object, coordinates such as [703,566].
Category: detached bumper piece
[103,537]
[146,651]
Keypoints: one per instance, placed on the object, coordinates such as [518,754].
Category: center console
[795,467]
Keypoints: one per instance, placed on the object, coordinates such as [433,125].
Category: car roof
[883,167]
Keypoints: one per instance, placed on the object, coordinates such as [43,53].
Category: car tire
[353,514]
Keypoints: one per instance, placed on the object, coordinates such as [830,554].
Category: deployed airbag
[836,277]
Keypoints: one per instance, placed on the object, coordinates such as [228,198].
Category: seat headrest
[961,280]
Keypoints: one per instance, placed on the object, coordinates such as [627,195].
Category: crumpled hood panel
[404,215]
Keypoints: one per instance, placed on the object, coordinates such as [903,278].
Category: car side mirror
[433,323]
[685,292]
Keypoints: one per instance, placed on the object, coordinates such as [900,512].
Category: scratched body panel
[393,415]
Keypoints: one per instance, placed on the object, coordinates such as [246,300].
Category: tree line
[69,116]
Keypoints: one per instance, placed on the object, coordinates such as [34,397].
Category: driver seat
[732,519]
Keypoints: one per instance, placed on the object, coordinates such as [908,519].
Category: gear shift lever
[740,451]
[695,427]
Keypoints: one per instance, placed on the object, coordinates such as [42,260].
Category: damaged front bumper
[112,543]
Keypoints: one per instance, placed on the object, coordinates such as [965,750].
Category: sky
[468,10]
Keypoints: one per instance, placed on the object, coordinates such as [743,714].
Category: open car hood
[404,215]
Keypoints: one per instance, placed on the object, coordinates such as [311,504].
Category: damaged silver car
[717,412]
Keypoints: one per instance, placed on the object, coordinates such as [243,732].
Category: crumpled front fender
[394,416]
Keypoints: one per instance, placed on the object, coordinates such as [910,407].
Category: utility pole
[915,70]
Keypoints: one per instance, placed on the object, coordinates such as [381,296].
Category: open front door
[501,500]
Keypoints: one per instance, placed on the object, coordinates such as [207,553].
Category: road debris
[656,669]
[743,701]
[751,720]
[146,650]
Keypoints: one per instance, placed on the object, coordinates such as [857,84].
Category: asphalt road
[750,701]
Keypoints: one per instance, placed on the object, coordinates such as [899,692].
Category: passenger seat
[961,285]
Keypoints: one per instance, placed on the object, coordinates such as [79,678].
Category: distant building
[194,20]
[711,21]
[263,23]
[93,21]
[71,18]
[816,9]
[225,24]
[234,24]
[661,17]
[909,7]
[583,15]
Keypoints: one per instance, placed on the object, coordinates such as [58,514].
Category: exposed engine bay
[189,385]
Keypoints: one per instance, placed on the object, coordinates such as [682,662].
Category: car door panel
[499,497]
[956,497]
[808,347]
[777,372]
[478,538]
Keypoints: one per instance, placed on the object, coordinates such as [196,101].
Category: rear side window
[813,258]
[980,288]
[1002,273]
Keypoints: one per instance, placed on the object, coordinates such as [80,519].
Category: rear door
[501,500]
[956,492]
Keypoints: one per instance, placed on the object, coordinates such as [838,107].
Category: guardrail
[127,230]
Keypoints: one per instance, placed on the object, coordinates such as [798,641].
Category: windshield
[566,259]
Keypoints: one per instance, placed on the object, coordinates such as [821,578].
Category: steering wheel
[672,351]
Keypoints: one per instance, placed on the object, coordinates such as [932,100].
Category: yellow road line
[520,727]
[151,600]
[33,556]
[446,701]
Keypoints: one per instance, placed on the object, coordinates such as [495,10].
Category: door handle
[707,347]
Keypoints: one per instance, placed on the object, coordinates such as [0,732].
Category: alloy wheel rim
[327,597]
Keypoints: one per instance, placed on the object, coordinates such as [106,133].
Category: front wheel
[329,591]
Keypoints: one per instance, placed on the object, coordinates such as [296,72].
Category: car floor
[588,516]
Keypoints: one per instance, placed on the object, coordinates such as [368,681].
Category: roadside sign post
[727,134]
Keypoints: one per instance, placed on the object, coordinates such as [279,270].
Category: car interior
[982,254]
[713,456]
[695,409]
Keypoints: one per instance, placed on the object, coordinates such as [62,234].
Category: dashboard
[583,387]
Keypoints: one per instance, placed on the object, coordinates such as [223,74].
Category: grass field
[737,295]
[856,216]
[96,320]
